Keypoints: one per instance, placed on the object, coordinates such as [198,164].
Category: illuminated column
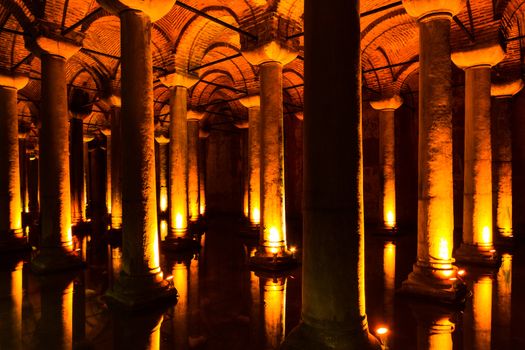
[253,103]
[434,326]
[193,164]
[503,317]
[11,293]
[433,274]
[141,280]
[22,151]
[333,314]
[109,152]
[389,276]
[11,230]
[179,271]
[270,58]
[502,153]
[477,246]
[76,161]
[116,163]
[56,245]
[242,125]
[387,158]
[478,315]
[86,176]
[178,160]
[32,180]
[163,172]
[202,171]
[274,296]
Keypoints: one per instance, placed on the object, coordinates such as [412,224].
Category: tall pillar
[116,163]
[77,169]
[11,230]
[23,131]
[333,283]
[178,235]
[202,170]
[253,103]
[33,187]
[163,143]
[387,157]
[141,280]
[109,156]
[56,246]
[86,206]
[434,275]
[193,164]
[502,154]
[272,252]
[477,246]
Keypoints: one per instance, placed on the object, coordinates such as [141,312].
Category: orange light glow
[486,236]
[163,229]
[461,272]
[482,312]
[382,331]
[390,220]
[444,249]
[256,216]
[163,199]
[202,209]
[440,335]
[179,222]
[274,295]
[389,278]
[274,238]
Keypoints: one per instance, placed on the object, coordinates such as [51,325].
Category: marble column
[86,206]
[272,252]
[56,246]
[434,275]
[193,164]
[163,143]
[253,103]
[178,235]
[23,160]
[502,154]
[141,281]
[387,157]
[202,170]
[333,282]
[109,156]
[477,246]
[11,230]
[32,183]
[116,164]
[76,162]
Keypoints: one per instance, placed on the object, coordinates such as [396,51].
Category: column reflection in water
[179,319]
[139,331]
[255,310]
[478,314]
[504,300]
[11,304]
[55,327]
[274,297]
[389,281]
[434,326]
[115,262]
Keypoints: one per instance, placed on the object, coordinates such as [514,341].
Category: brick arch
[202,92]
[23,14]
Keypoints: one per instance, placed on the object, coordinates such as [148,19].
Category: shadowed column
[193,164]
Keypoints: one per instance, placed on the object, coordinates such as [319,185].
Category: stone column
[193,164]
[253,103]
[32,183]
[109,156]
[56,246]
[178,235]
[477,246]
[502,154]
[141,280]
[242,126]
[86,206]
[11,230]
[202,171]
[270,58]
[387,157]
[434,275]
[333,282]
[163,142]
[116,164]
[22,152]
[76,162]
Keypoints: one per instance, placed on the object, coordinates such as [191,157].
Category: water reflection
[477,320]
[434,326]
[504,303]
[389,276]
[137,331]
[11,304]
[273,290]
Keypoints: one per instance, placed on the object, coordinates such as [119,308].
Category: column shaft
[24,196]
[388,166]
[178,221]
[109,156]
[202,176]
[193,169]
[140,250]
[77,170]
[254,156]
[163,176]
[116,169]
[273,230]
[86,180]
[10,200]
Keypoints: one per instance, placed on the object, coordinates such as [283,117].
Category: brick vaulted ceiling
[185,40]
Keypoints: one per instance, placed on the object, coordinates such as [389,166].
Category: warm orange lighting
[202,208]
[163,229]
[461,272]
[389,270]
[256,216]
[179,222]
[274,238]
[486,236]
[382,331]
[274,250]
[482,312]
[390,220]
[274,295]
[163,199]
[293,249]
[444,249]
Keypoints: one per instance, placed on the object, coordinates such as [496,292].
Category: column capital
[251,101]
[194,115]
[14,81]
[87,138]
[113,101]
[272,51]
[155,9]
[299,115]
[203,133]
[241,124]
[162,140]
[387,103]
[186,80]
[506,89]
[422,8]
[106,132]
[479,56]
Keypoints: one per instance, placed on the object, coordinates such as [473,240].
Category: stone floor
[222,305]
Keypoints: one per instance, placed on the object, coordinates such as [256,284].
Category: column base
[385,231]
[13,244]
[472,254]
[180,244]
[426,282]
[506,241]
[52,260]
[305,337]
[276,262]
[140,292]
[81,228]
